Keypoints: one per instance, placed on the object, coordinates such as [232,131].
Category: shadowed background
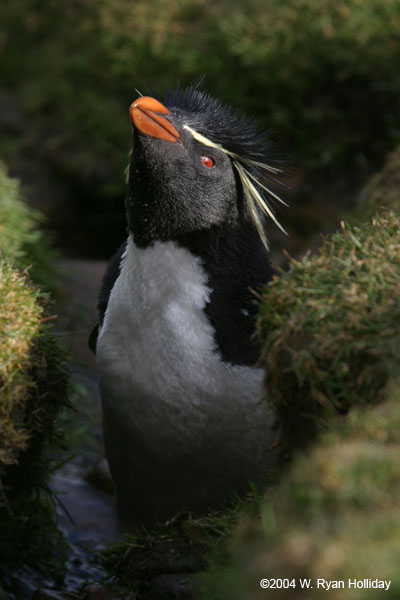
[322,76]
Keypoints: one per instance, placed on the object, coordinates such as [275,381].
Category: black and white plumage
[185,423]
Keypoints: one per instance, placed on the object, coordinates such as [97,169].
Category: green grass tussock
[20,316]
[33,391]
[330,326]
[21,240]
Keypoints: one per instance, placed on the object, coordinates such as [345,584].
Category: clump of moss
[330,327]
[335,516]
[33,391]
[20,315]
[22,241]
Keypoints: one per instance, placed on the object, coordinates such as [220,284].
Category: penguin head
[196,164]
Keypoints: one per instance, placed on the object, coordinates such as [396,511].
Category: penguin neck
[236,265]
[220,246]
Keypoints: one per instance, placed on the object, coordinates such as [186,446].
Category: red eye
[207,161]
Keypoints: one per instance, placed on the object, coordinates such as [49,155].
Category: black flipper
[92,341]
[110,276]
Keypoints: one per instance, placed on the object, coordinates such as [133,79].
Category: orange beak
[146,116]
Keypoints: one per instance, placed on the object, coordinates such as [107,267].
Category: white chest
[156,345]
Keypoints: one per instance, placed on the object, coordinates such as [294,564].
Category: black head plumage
[201,121]
[221,123]
[252,153]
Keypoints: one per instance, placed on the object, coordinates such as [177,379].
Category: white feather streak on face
[256,163]
[244,175]
[253,211]
[207,142]
[270,192]
[251,193]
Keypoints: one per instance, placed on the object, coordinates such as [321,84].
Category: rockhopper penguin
[185,422]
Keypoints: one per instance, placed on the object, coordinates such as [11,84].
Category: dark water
[87,519]
[86,514]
